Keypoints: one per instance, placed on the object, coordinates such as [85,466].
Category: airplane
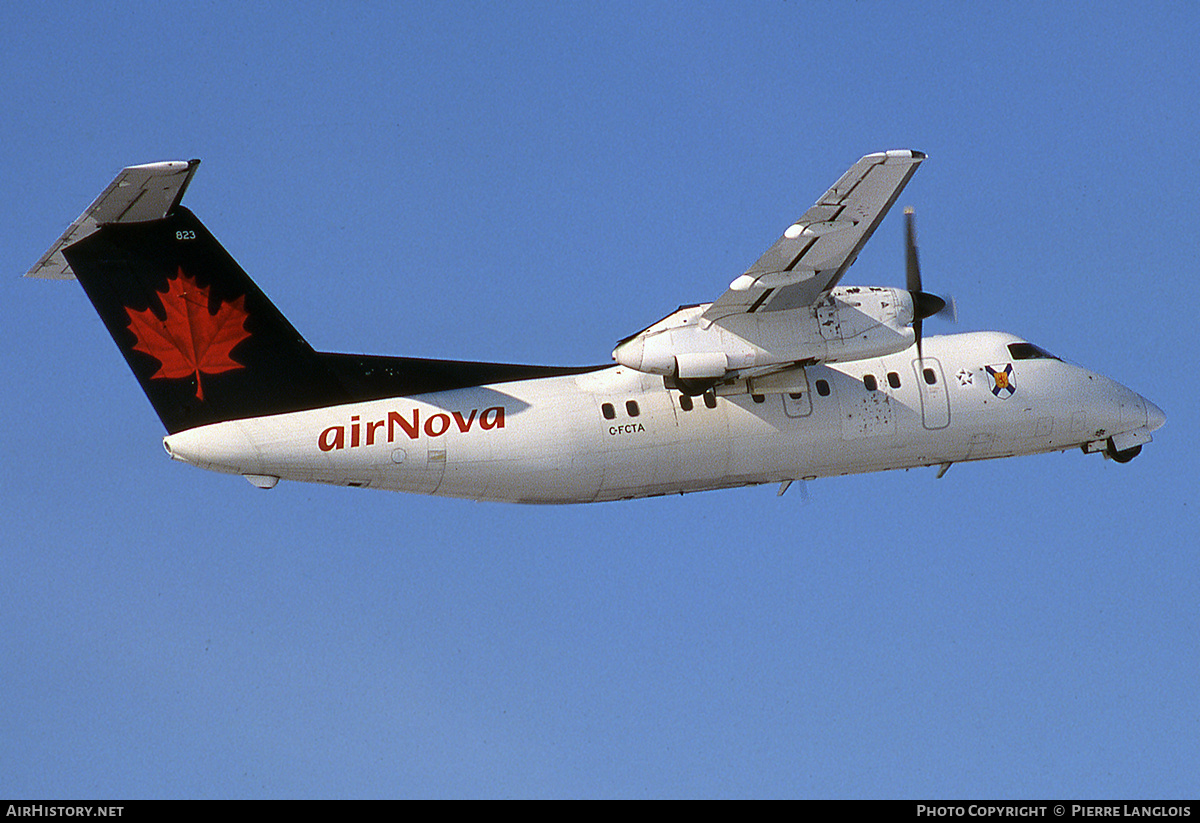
[786,376]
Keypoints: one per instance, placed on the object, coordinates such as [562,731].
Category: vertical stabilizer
[204,342]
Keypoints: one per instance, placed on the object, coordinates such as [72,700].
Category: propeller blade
[924,303]
[912,278]
[912,266]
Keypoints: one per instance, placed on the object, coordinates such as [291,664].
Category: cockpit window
[1028,351]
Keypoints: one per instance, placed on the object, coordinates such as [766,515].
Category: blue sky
[530,183]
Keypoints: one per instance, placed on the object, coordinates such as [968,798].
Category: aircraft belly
[649,454]
[536,465]
[533,459]
[766,444]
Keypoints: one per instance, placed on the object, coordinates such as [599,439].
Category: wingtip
[908,157]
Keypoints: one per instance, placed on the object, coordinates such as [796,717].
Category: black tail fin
[200,337]
[204,342]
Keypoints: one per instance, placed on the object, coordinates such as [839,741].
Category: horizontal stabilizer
[139,194]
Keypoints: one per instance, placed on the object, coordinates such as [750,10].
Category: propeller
[924,303]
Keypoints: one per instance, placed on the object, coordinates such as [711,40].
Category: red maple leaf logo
[190,340]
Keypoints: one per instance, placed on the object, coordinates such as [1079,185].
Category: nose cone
[1154,416]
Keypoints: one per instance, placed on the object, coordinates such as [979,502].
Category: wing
[815,251]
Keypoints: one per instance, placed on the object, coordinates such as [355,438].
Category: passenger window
[893,380]
[822,388]
[930,377]
[758,398]
[710,399]
[685,402]
[608,411]
[795,396]
[631,406]
[870,382]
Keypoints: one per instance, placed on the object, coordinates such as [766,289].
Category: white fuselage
[550,441]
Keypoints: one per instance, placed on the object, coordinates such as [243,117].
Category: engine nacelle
[852,323]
